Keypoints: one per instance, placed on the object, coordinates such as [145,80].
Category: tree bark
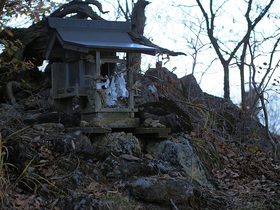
[138,17]
[2,4]
[226,82]
[138,20]
[242,77]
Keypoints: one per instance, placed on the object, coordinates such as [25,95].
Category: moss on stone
[207,153]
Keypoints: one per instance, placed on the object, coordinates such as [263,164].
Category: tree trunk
[243,98]
[226,81]
[138,20]
[138,17]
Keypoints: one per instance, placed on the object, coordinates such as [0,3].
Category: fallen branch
[173,204]
[9,89]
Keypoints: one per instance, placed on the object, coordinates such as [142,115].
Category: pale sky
[169,26]
[174,27]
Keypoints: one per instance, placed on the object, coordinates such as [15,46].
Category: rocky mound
[215,158]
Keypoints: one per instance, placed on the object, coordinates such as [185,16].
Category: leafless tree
[261,88]
[226,56]
[194,42]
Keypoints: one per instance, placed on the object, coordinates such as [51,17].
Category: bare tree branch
[210,30]
[260,93]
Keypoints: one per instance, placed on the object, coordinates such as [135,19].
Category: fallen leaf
[54,166]
[19,202]
[36,204]
[255,134]
[92,186]
[138,207]
[8,31]
[233,174]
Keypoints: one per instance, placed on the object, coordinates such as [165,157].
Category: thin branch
[210,29]
[270,63]
[125,14]
[260,94]
[262,13]
[250,25]
[204,72]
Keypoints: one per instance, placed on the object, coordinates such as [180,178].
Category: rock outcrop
[196,167]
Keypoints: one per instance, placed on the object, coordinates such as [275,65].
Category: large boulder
[190,90]
[161,191]
[180,153]
[168,113]
[123,167]
[170,100]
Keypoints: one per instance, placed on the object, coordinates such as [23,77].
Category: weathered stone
[84,123]
[147,92]
[49,127]
[93,151]
[149,156]
[152,133]
[63,144]
[190,90]
[147,122]
[161,191]
[21,156]
[181,154]
[168,113]
[115,168]
[78,201]
[81,140]
[129,157]
[121,143]
[95,122]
